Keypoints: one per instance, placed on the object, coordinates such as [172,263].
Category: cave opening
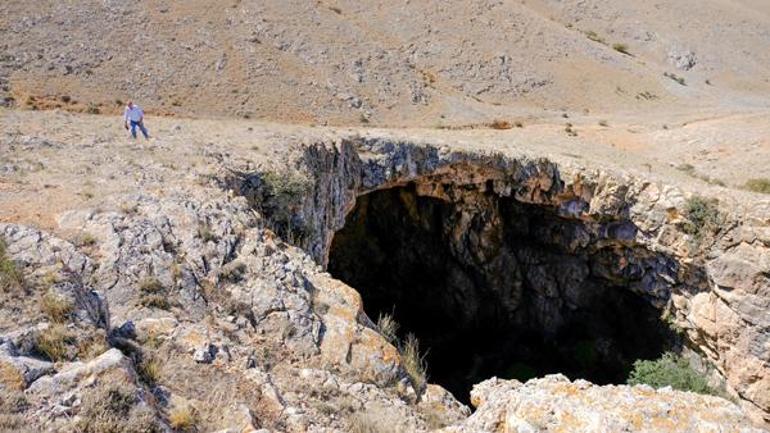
[495,287]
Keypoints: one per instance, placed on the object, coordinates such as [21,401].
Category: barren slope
[405,63]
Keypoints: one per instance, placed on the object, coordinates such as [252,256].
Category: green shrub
[703,215]
[670,370]
[281,198]
[11,278]
[758,185]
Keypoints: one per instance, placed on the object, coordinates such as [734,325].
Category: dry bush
[55,342]
[114,407]
[11,378]
[183,418]
[56,307]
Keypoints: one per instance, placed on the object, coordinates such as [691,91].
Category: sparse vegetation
[670,370]
[500,124]
[153,294]
[115,407]
[206,233]
[374,420]
[11,378]
[55,342]
[11,278]
[603,123]
[675,77]
[570,130]
[621,48]
[761,185]
[233,272]
[690,170]
[56,307]
[183,419]
[592,35]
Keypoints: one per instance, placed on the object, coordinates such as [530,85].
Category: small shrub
[603,123]
[54,342]
[758,185]
[183,418]
[670,370]
[56,307]
[11,278]
[703,215]
[413,362]
[388,328]
[282,195]
[518,124]
[621,48]
[11,378]
[13,404]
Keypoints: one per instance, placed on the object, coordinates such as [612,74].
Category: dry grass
[115,407]
[11,378]
[55,342]
[149,369]
[153,294]
[414,363]
[388,328]
[11,278]
[183,419]
[56,307]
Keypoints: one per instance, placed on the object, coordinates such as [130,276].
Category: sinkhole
[495,287]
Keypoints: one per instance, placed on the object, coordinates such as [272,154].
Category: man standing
[135,116]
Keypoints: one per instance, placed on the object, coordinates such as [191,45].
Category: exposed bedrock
[466,247]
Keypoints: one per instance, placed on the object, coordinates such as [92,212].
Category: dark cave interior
[495,287]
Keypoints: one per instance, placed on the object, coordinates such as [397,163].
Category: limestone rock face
[555,404]
[197,300]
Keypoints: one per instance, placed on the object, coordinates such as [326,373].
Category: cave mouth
[495,287]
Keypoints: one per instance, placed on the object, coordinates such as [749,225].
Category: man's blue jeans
[141,127]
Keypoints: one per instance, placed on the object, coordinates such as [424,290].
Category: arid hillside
[416,63]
